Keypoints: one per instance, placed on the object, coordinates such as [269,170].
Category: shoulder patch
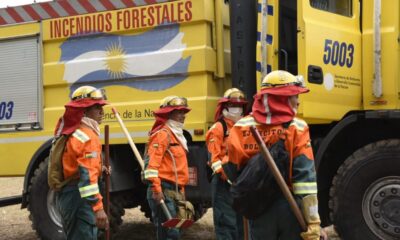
[299,124]
[246,121]
[91,154]
[81,136]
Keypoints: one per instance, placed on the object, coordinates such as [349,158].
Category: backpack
[55,175]
[255,188]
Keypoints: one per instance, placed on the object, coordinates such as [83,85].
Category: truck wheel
[43,211]
[365,195]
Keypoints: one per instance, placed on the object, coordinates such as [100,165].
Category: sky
[10,3]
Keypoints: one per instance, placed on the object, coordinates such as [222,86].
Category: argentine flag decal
[150,61]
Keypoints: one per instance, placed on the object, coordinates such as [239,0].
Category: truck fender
[326,143]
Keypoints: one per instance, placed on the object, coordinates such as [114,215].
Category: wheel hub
[381,207]
[52,208]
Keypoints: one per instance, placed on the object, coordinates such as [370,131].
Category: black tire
[44,214]
[47,227]
[365,195]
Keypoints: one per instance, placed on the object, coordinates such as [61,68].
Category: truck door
[329,57]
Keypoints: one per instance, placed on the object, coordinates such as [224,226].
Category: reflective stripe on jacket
[83,155]
[242,146]
[161,165]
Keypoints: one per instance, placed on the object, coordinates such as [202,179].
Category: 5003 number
[6,110]
[338,53]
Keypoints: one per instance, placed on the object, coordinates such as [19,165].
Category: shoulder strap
[224,127]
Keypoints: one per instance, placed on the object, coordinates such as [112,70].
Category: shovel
[171,222]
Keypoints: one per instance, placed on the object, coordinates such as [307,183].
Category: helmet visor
[269,85]
[96,94]
[299,82]
[236,97]
[178,101]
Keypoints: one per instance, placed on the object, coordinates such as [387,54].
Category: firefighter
[227,224]
[80,201]
[167,168]
[273,114]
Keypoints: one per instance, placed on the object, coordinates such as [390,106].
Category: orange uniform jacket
[161,166]
[242,146]
[82,155]
[217,146]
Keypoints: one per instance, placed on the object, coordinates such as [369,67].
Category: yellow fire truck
[143,50]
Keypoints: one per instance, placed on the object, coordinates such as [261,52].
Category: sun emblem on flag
[115,61]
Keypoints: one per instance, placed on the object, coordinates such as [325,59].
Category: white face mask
[235,110]
[233,116]
[176,128]
[175,124]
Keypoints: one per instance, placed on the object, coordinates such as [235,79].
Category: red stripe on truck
[14,15]
[2,21]
[68,8]
[129,3]
[28,9]
[49,9]
[87,6]
[108,4]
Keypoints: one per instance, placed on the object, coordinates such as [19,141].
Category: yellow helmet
[282,83]
[234,95]
[171,103]
[89,92]
[174,101]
